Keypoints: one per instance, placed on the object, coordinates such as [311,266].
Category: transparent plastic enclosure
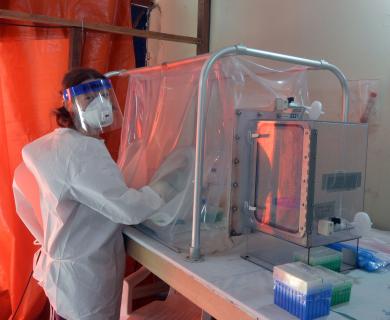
[281,181]
[159,127]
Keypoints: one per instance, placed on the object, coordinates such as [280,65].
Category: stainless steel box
[289,174]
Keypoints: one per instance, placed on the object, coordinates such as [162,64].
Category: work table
[229,287]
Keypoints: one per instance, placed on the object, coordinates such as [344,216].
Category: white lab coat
[26,194]
[84,202]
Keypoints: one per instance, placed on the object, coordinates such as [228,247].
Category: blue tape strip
[93,86]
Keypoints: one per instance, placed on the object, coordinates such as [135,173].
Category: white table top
[250,288]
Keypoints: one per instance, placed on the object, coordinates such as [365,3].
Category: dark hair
[73,78]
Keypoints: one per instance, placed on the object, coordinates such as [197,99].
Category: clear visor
[94,107]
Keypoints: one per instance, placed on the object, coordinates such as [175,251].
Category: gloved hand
[169,185]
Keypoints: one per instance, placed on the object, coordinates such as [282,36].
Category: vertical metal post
[199,150]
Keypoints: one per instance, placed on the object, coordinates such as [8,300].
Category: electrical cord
[21,299]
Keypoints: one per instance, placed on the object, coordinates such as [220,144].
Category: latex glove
[315,110]
[362,223]
[168,186]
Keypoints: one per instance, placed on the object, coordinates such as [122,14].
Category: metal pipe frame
[116,73]
[194,253]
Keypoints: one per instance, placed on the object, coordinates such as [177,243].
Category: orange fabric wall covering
[32,64]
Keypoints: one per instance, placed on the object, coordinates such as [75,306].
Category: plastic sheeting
[160,118]
[160,122]
[32,63]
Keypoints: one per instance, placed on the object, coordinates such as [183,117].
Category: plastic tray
[321,256]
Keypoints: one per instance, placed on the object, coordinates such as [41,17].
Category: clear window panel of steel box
[279,173]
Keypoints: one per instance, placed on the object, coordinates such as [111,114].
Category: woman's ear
[64,123]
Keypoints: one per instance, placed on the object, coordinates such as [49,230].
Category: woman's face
[83,100]
[93,107]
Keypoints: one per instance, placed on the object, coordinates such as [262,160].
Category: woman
[84,202]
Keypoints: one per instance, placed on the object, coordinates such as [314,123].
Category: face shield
[94,107]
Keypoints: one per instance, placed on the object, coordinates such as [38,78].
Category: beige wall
[175,17]
[353,34]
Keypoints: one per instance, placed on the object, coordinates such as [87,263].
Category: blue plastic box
[298,290]
[303,306]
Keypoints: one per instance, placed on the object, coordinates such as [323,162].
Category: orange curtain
[32,63]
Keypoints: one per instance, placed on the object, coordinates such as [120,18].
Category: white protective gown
[84,203]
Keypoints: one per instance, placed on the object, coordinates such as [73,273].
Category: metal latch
[258,135]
